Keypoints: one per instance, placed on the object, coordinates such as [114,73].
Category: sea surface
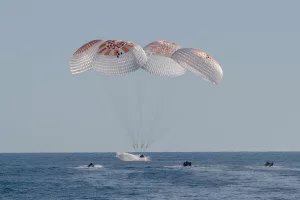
[214,176]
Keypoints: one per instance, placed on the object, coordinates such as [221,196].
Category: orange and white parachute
[159,61]
[108,57]
[81,60]
[199,63]
[160,58]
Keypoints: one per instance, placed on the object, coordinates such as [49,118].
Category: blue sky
[44,108]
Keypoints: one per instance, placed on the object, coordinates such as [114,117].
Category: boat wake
[86,167]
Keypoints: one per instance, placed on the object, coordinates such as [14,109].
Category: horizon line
[61,152]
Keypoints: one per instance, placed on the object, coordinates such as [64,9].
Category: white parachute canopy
[81,60]
[199,63]
[158,58]
[108,57]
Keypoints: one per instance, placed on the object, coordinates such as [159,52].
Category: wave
[199,167]
[278,167]
[86,167]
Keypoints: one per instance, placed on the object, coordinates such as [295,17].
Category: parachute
[159,58]
[81,60]
[108,57]
[200,63]
[159,61]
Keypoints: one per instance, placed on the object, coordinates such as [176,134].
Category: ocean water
[214,176]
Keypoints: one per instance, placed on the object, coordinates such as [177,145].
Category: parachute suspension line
[171,88]
[158,111]
[139,89]
[142,146]
[118,113]
[145,146]
[134,142]
[138,142]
